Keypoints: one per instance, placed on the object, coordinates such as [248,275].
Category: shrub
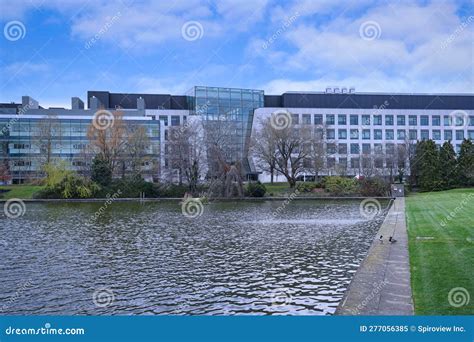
[173,190]
[131,187]
[255,190]
[307,186]
[101,173]
[373,187]
[70,186]
[340,185]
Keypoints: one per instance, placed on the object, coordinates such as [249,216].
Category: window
[331,162]
[436,133]
[166,135]
[354,134]
[342,133]
[342,119]
[79,146]
[377,120]
[446,120]
[366,120]
[412,121]
[318,119]
[366,148]
[331,148]
[412,134]
[21,146]
[377,134]
[448,135]
[306,119]
[342,149]
[354,119]
[366,134]
[390,149]
[343,162]
[436,120]
[174,120]
[471,121]
[389,120]
[355,148]
[329,119]
[424,120]
[295,119]
[459,135]
[460,120]
[331,134]
[401,134]
[389,135]
[424,134]
[470,135]
[378,148]
[164,118]
[401,120]
[355,163]
[378,163]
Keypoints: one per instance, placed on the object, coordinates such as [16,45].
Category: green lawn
[278,189]
[442,251]
[19,191]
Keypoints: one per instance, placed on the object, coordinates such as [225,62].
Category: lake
[237,258]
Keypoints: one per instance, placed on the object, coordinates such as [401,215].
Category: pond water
[146,259]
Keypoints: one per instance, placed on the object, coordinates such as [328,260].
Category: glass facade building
[233,108]
[24,148]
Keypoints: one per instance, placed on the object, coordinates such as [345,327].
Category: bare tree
[46,134]
[263,147]
[137,145]
[108,140]
[187,153]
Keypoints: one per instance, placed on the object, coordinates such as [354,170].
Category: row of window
[377,149]
[377,120]
[401,134]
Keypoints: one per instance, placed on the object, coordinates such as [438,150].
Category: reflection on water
[237,258]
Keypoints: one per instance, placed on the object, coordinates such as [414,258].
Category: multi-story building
[356,125]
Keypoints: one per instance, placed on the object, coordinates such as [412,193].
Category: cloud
[415,47]
[25,68]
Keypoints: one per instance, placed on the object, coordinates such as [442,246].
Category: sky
[55,49]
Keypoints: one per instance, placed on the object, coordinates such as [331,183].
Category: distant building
[356,125]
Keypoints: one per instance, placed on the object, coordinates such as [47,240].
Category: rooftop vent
[328,90]
[352,90]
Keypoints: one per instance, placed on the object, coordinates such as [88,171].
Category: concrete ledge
[381,285]
[160,199]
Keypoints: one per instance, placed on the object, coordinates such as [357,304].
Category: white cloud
[418,48]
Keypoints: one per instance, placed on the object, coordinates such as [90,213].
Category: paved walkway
[381,285]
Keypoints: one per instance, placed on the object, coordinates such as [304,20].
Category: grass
[442,251]
[19,191]
[278,189]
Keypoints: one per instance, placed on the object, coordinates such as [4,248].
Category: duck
[391,240]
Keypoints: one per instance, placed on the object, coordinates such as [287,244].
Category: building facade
[359,128]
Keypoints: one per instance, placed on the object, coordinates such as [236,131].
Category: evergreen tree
[429,170]
[101,171]
[466,164]
[448,165]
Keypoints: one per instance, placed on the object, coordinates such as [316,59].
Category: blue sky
[53,50]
